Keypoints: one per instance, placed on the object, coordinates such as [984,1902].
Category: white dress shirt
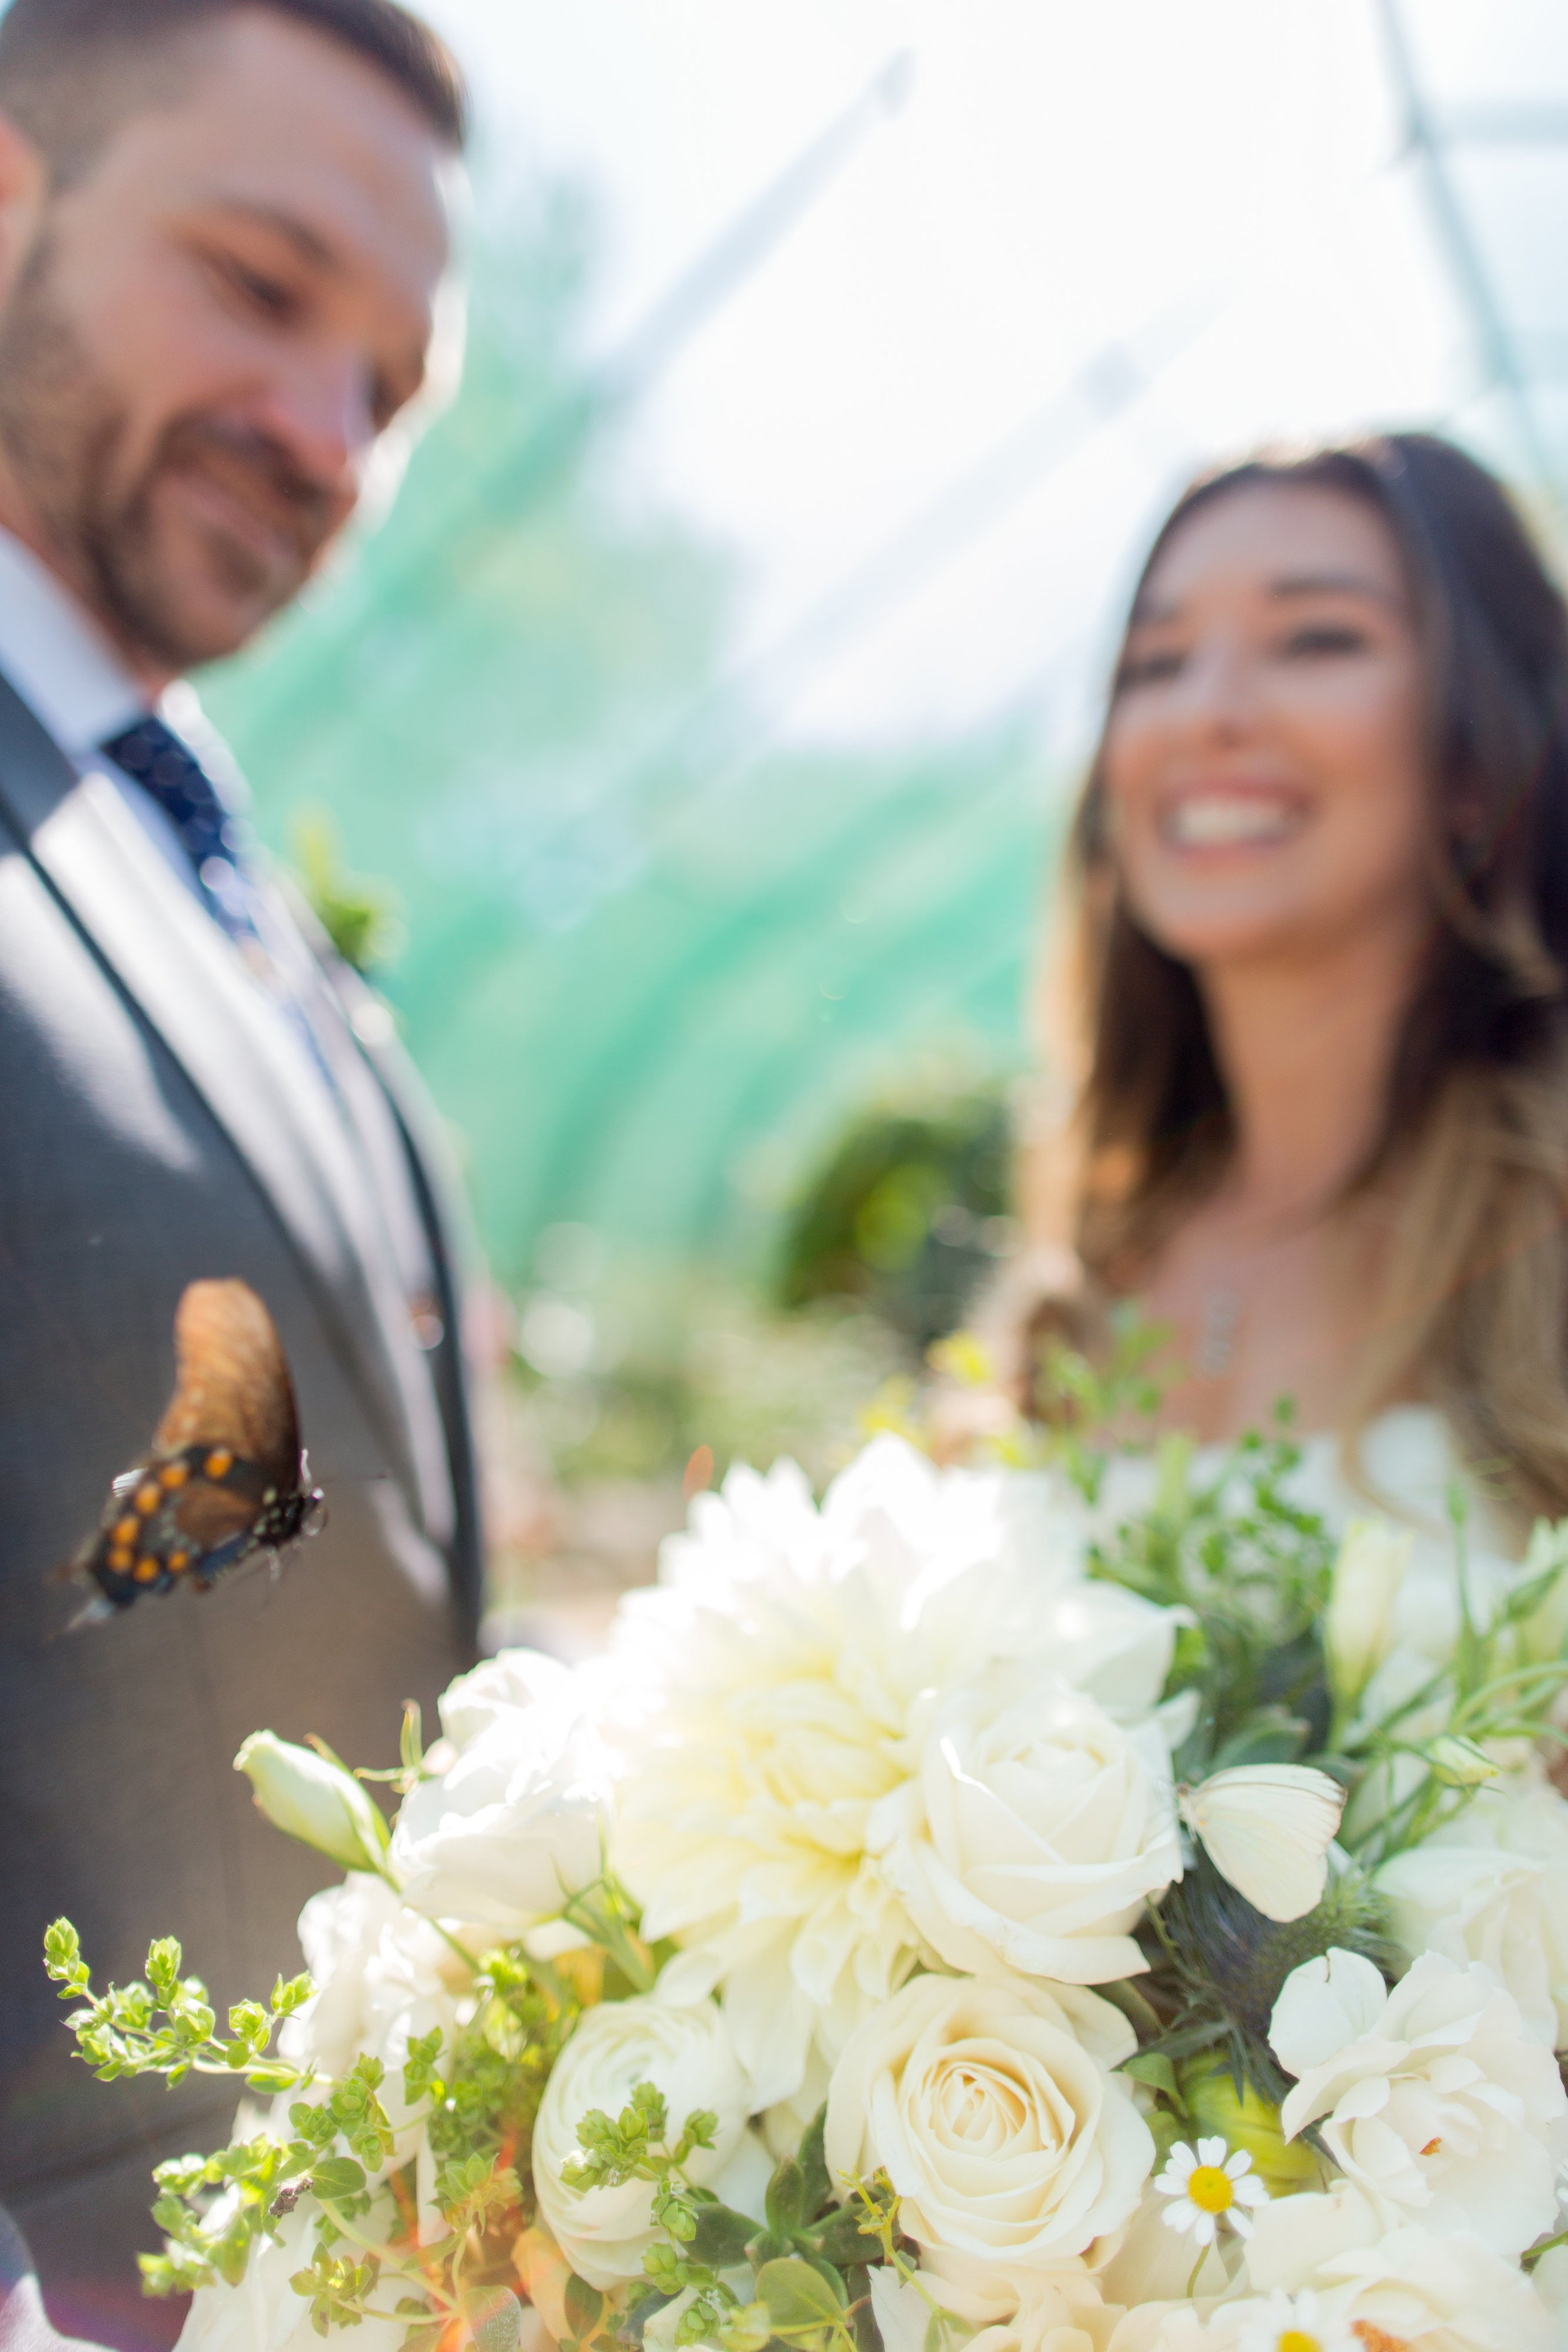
[72,679]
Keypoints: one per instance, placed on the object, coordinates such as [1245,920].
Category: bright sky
[1213,182]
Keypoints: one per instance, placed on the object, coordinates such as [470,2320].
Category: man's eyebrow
[311,247]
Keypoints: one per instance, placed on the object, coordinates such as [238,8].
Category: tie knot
[154,756]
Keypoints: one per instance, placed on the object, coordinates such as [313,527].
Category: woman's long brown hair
[1473,1139]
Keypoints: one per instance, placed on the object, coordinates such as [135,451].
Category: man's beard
[63,429]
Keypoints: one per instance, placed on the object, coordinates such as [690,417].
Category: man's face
[211,330]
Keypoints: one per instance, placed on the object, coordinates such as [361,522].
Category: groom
[225,229]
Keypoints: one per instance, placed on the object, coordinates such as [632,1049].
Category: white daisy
[1209,2185]
[1295,2322]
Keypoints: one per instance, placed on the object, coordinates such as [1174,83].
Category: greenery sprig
[477,2101]
[809,2263]
[166,2025]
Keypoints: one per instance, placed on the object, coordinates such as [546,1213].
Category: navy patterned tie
[212,837]
[216,841]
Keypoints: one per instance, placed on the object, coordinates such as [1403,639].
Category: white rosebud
[1268,1828]
[1460,1762]
[1359,1626]
[316,1801]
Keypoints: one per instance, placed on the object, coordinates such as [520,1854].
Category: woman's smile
[1200,820]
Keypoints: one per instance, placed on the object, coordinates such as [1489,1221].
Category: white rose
[381,1973]
[1408,2291]
[1408,2288]
[1432,2098]
[1033,1832]
[1060,2312]
[1109,1643]
[1494,1887]
[686,2053]
[516,1823]
[510,1683]
[989,2104]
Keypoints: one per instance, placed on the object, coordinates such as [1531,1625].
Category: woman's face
[1264,767]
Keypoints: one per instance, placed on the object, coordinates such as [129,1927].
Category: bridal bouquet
[965,1913]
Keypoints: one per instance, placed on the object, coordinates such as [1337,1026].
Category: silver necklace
[1215,1350]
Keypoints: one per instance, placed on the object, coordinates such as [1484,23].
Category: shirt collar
[57,658]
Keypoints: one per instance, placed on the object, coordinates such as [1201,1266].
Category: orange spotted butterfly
[224,1478]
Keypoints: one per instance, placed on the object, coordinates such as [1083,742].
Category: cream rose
[1060,2312]
[1494,1887]
[1409,2287]
[515,1823]
[991,2107]
[382,1974]
[1432,2099]
[688,2054]
[1033,1830]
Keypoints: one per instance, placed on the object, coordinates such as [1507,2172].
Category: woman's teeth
[1219,821]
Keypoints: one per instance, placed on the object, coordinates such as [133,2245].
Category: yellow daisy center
[1296,2340]
[1210,2190]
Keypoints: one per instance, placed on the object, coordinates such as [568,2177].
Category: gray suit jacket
[160,1120]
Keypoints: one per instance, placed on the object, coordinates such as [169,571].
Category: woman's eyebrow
[1150,613]
[1335,583]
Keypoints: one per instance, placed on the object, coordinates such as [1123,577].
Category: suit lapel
[256,1076]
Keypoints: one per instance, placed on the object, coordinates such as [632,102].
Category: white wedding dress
[1409,1464]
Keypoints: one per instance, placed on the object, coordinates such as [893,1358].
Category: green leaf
[337,2177]
[786,2198]
[165,1961]
[584,2309]
[630,2327]
[722,2236]
[1152,2066]
[493,2317]
[813,2164]
[838,2238]
[799,2297]
[62,1949]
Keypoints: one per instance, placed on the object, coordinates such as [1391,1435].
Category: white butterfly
[1268,1827]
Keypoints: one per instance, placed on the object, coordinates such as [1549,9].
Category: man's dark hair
[72,71]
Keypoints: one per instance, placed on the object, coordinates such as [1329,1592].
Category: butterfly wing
[224,1475]
[1268,1827]
[232,1389]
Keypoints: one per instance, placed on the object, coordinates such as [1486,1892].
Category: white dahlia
[769,1689]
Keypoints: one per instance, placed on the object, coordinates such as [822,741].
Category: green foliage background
[652,959]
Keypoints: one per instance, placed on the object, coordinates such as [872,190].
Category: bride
[1317,1014]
